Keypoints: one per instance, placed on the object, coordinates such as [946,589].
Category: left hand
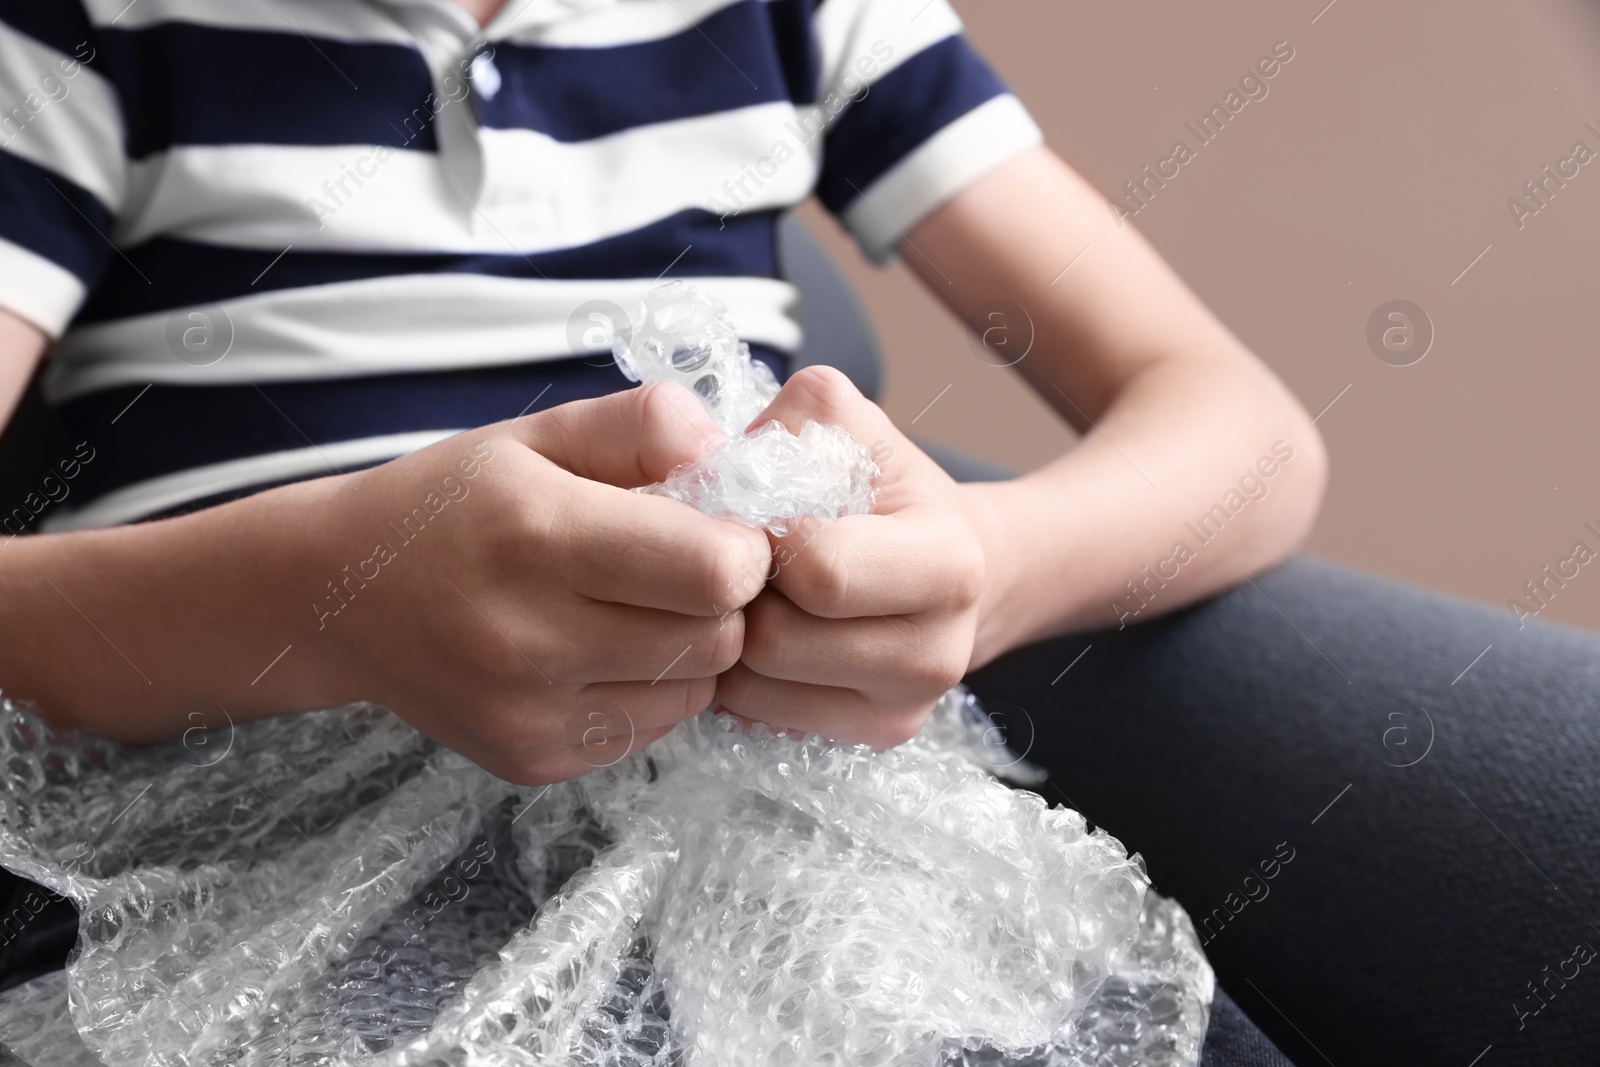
[869,619]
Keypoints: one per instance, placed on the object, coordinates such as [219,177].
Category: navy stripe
[187,273]
[173,428]
[184,84]
[798,52]
[55,218]
[742,55]
[906,107]
[60,24]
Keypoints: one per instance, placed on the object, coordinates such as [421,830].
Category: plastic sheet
[769,478]
[774,479]
[680,334]
[333,889]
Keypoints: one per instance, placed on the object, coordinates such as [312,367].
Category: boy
[363,227]
[303,268]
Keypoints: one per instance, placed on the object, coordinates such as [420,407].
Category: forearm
[128,631]
[1200,474]
[1168,496]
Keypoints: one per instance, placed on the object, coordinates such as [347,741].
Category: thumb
[631,438]
[822,394]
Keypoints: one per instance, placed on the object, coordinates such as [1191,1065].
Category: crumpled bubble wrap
[775,480]
[679,333]
[333,889]
[769,478]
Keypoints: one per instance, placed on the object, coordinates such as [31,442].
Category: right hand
[544,621]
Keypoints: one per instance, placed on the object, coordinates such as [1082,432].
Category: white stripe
[556,23]
[942,167]
[387,325]
[609,25]
[340,20]
[38,290]
[859,31]
[134,502]
[539,194]
[61,115]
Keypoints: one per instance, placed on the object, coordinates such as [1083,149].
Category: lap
[1430,831]
[1430,828]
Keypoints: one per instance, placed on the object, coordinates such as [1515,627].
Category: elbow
[1301,493]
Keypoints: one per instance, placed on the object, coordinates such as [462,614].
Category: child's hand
[871,618]
[534,616]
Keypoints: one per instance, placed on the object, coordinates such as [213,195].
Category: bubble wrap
[333,889]
[770,478]
[678,333]
[824,473]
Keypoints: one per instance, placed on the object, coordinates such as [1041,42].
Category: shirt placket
[450,43]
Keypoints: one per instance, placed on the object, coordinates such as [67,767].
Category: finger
[631,438]
[565,764]
[868,564]
[917,559]
[876,655]
[621,643]
[836,713]
[542,742]
[615,709]
[613,720]
[651,552]
[823,394]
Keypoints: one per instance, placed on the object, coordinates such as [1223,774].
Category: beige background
[1392,140]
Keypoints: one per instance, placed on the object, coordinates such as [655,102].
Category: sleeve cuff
[38,290]
[944,166]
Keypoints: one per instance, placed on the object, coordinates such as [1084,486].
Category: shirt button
[485,75]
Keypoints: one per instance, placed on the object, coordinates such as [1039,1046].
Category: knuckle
[941,673]
[828,394]
[968,570]
[929,677]
[735,689]
[651,407]
[669,415]
[729,596]
[727,642]
[726,569]
[946,663]
[697,696]
[763,646]
[820,583]
[938,669]
[508,531]
[897,727]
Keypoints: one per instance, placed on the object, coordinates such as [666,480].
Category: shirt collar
[516,16]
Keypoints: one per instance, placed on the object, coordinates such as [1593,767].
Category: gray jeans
[1380,806]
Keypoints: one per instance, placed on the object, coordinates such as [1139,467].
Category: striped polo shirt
[275,239]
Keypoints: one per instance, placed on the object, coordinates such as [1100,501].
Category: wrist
[311,535]
[266,559]
[992,511]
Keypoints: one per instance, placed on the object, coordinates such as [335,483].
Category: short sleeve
[62,167]
[920,116]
